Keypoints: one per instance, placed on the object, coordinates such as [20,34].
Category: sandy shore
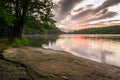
[30,63]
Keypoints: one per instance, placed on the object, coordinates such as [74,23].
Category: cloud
[106,4]
[85,17]
[103,23]
[80,9]
[64,8]
[83,14]
[88,15]
[89,6]
[83,8]
[109,14]
[104,11]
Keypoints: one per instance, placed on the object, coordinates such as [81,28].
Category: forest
[18,17]
[101,30]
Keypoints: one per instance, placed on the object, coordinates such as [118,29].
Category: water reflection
[39,40]
[105,49]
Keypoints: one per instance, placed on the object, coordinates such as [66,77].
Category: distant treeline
[100,30]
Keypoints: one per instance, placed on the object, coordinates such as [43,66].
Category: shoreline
[29,63]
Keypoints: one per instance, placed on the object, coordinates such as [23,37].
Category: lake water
[100,48]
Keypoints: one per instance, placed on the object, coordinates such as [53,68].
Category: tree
[6,21]
[20,9]
[47,26]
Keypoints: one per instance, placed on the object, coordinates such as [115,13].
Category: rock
[10,71]
[46,64]
[64,77]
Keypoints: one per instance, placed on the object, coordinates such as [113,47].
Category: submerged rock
[46,64]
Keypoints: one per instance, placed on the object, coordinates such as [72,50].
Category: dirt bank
[45,64]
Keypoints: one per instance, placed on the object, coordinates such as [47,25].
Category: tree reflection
[39,40]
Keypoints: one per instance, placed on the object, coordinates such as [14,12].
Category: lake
[100,48]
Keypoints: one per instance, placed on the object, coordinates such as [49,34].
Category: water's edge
[25,71]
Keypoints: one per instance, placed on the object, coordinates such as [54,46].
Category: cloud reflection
[90,47]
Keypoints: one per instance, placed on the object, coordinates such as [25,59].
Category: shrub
[20,42]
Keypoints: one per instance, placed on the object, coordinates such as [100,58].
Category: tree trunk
[17,31]
[18,27]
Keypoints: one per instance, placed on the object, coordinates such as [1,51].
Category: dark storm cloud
[65,7]
[107,4]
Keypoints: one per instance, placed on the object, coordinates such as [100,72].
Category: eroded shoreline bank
[31,63]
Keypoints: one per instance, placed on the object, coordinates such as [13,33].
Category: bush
[20,42]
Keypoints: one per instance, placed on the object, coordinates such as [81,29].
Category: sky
[80,14]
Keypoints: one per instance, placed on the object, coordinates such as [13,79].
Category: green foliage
[33,26]
[102,30]
[6,19]
[14,13]
[6,22]
[20,42]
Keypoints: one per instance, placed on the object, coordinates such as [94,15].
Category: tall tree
[20,9]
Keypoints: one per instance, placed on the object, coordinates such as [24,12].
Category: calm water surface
[100,48]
